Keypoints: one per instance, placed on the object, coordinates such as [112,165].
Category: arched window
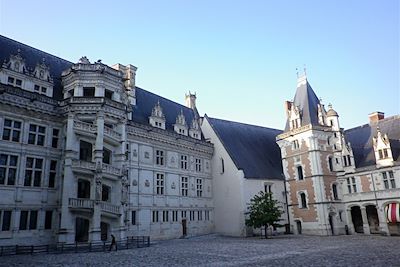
[334,191]
[303,200]
[330,164]
[300,172]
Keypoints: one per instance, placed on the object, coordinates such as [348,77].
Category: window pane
[15,136]
[6,134]
[17,124]
[31,139]
[38,163]
[11,176]
[7,122]
[3,159]
[2,175]
[28,178]
[53,165]
[32,128]
[13,161]
[38,178]
[29,162]
[42,129]
[6,220]
[33,220]
[23,221]
[40,141]
[48,219]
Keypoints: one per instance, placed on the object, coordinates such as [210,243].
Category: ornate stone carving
[98,187]
[173,186]
[147,183]
[134,183]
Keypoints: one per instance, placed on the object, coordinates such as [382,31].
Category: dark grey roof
[252,148]
[145,102]
[307,101]
[360,139]
[32,56]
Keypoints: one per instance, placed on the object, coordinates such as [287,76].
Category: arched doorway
[356,217]
[373,220]
[299,229]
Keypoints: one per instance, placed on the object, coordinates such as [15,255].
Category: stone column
[350,224]
[95,231]
[365,221]
[68,187]
[383,227]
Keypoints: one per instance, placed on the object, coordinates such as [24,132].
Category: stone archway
[356,217]
[373,219]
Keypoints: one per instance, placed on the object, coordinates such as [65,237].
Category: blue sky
[240,57]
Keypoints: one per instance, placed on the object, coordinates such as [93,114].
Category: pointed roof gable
[307,102]
[252,148]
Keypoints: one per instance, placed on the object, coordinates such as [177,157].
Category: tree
[264,211]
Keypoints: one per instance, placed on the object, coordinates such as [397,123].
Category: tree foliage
[264,211]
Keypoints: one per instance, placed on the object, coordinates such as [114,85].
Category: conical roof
[307,102]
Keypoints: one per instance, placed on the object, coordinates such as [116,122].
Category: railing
[105,206]
[84,126]
[97,100]
[107,168]
[84,164]
[128,243]
[110,132]
[82,203]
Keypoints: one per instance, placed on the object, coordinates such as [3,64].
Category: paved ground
[213,250]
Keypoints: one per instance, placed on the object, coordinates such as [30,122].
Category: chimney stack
[376,116]
[190,100]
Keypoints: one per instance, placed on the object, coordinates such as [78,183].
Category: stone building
[84,153]
[339,181]
[246,161]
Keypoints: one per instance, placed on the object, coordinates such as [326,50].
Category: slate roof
[252,148]
[307,101]
[145,101]
[360,139]
[32,56]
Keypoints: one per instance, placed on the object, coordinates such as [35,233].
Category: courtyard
[214,250]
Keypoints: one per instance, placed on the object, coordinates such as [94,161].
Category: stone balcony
[111,171]
[112,136]
[85,128]
[81,204]
[85,204]
[82,166]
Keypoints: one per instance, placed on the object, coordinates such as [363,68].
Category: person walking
[113,243]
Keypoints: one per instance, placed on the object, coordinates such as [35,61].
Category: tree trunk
[266,228]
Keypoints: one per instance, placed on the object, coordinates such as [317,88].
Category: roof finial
[305,70]
[297,72]
[330,106]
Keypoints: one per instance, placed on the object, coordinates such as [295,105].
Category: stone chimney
[376,116]
[190,100]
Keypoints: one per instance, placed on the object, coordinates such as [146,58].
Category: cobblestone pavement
[214,250]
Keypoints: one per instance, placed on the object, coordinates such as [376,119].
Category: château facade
[339,181]
[85,153]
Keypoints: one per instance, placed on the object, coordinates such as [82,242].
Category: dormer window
[88,91]
[14,82]
[383,153]
[157,118]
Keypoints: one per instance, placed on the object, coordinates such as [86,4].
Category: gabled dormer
[347,157]
[195,131]
[42,71]
[382,149]
[17,63]
[180,125]
[16,73]
[157,118]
